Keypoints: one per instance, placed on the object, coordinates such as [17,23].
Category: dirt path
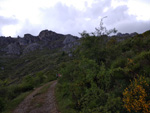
[39,101]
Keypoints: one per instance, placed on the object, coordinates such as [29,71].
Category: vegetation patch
[106,76]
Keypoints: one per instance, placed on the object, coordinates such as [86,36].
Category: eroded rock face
[30,38]
[70,42]
[14,49]
[31,47]
[22,41]
[45,39]
[4,41]
[49,35]
[69,39]
[126,34]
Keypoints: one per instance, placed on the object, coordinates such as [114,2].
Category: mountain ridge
[46,39]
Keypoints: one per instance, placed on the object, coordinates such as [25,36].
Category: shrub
[2,104]
[103,78]
[120,62]
[146,34]
[113,104]
[92,100]
[135,96]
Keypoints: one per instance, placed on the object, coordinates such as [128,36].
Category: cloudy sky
[18,17]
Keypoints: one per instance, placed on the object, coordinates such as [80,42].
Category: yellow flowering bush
[135,96]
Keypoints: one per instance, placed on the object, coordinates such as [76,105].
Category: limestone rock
[49,35]
[31,47]
[69,39]
[14,49]
[70,42]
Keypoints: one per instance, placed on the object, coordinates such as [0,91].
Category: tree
[102,30]
[99,31]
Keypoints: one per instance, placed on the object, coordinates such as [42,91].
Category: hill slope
[99,73]
[27,62]
[107,75]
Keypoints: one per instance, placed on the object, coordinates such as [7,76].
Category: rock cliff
[28,43]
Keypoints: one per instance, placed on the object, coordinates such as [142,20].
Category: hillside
[28,62]
[108,74]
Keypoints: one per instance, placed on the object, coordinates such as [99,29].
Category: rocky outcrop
[126,34]
[31,47]
[51,39]
[45,39]
[70,42]
[14,49]
[4,41]
[22,41]
[69,39]
[49,35]
[30,38]
[123,36]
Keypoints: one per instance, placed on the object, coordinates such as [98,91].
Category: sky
[19,17]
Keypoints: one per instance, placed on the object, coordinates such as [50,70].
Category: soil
[38,102]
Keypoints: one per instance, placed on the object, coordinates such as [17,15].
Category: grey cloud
[134,26]
[61,18]
[118,15]
[97,8]
[64,19]
[28,27]
[123,22]
[7,21]
[69,20]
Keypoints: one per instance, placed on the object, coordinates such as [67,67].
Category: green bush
[120,62]
[2,104]
[146,34]
[92,100]
[113,105]
[141,63]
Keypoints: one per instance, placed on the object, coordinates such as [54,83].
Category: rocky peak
[30,38]
[46,39]
[49,35]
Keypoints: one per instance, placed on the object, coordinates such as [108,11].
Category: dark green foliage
[94,81]
[146,34]
[2,104]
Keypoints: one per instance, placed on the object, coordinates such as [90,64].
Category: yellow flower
[134,96]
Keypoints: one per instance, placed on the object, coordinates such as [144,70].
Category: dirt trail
[38,102]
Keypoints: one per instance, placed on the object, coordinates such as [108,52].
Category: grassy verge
[63,104]
[14,103]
